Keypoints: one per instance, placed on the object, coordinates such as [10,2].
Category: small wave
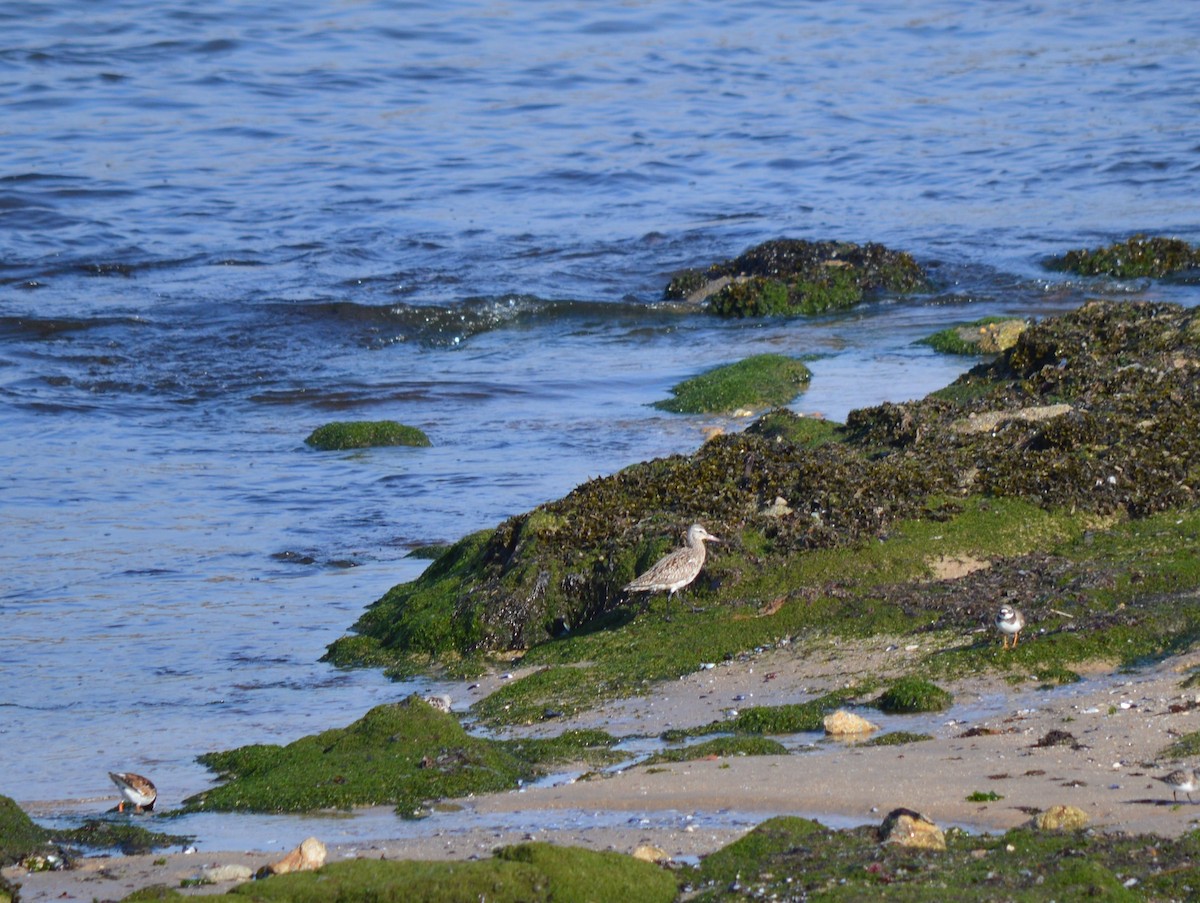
[448,326]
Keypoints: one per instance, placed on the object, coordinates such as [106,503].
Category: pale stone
[989,420]
[308,857]
[231,872]
[777,508]
[648,852]
[907,828]
[1061,818]
[992,338]
[842,722]
[440,702]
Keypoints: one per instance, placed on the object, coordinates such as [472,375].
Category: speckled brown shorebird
[135,789]
[1185,779]
[677,569]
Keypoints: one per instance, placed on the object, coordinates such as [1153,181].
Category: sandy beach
[1119,723]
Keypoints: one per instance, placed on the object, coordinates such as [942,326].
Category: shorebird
[134,789]
[1009,622]
[1187,780]
[677,569]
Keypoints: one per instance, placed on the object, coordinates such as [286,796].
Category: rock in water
[911,829]
[842,723]
[308,857]
[1061,818]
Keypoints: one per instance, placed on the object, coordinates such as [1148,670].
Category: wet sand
[1119,721]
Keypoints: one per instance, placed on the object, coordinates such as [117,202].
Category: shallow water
[220,228]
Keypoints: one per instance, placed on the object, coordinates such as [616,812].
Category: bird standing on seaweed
[676,569]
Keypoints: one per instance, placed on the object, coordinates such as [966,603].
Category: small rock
[1061,818]
[648,852]
[308,857]
[842,722]
[778,508]
[911,829]
[231,872]
[440,702]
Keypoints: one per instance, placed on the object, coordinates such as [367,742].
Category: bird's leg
[121,806]
[1016,636]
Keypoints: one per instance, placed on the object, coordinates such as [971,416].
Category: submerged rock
[344,434]
[793,276]
[1139,256]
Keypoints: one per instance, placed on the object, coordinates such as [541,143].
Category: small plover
[134,789]
[1009,622]
[1185,779]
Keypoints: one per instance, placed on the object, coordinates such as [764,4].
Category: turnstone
[135,789]
[1009,622]
[1185,779]
[677,569]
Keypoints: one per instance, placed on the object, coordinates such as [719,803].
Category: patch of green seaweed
[344,434]
[405,754]
[719,747]
[525,873]
[910,695]
[793,858]
[763,380]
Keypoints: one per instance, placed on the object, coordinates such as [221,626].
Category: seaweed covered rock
[343,434]
[19,835]
[793,276]
[763,380]
[1116,391]
[1139,256]
[404,754]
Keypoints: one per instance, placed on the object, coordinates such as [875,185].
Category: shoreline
[689,809]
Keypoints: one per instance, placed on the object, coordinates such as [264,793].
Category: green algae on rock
[525,873]
[406,754]
[910,695]
[343,434]
[794,858]
[792,276]
[1061,508]
[763,380]
[1138,257]
[98,834]
[722,747]
[988,335]
[783,425]
[20,836]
